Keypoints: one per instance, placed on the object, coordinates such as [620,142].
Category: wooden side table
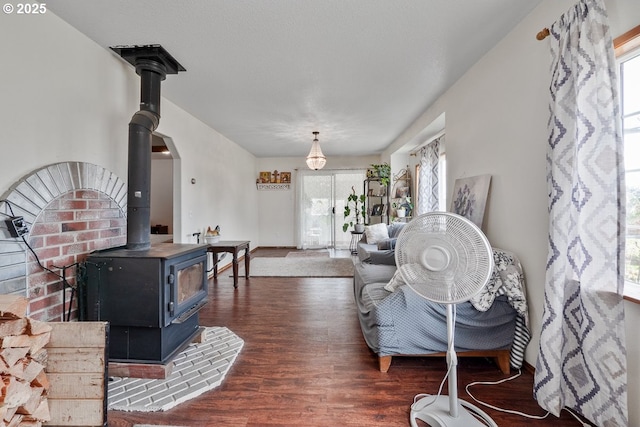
[233,247]
[355,238]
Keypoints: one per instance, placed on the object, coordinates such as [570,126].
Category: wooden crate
[77,373]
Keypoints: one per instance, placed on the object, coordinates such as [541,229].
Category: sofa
[396,321]
[378,243]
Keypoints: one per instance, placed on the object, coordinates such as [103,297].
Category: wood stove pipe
[152,64]
[141,128]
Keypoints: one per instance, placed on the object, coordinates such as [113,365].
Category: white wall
[64,98]
[276,207]
[224,189]
[496,118]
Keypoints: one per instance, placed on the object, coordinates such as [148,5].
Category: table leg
[235,269]
[215,265]
[247,261]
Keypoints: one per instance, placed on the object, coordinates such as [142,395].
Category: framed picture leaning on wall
[470,197]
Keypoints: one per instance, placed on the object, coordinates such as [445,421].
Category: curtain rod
[633,36]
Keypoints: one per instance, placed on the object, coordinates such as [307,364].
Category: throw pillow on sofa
[395,282]
[395,228]
[387,244]
[376,233]
[382,257]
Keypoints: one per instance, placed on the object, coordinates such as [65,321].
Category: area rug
[300,267]
[199,368]
[309,253]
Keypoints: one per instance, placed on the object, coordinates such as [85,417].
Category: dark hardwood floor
[305,363]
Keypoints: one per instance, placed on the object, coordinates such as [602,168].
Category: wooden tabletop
[229,244]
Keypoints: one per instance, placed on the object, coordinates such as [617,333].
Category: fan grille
[444,257]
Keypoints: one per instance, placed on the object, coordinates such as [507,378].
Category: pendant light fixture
[316,160]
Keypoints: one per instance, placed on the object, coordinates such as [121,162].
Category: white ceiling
[267,73]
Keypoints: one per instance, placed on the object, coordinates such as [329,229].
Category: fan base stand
[437,414]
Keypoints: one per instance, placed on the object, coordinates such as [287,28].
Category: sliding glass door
[320,202]
[315,211]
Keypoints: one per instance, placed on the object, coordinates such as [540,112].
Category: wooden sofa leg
[502,361]
[384,362]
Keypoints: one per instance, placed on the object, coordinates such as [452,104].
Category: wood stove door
[187,282]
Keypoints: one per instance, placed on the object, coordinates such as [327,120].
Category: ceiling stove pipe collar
[151,73]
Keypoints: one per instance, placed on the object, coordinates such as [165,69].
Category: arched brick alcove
[71,208]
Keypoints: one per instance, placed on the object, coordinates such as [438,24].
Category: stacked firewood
[23,391]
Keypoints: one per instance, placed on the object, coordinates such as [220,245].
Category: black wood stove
[150,294]
[150,297]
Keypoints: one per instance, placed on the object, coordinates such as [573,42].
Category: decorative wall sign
[273,180]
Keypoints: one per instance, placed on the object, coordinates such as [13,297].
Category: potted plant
[355,204]
[408,205]
[383,172]
[403,207]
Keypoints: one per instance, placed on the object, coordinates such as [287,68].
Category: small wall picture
[285,177]
[470,197]
[265,177]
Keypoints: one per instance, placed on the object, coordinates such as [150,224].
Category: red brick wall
[68,229]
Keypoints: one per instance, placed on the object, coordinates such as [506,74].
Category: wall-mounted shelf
[273,181]
[274,186]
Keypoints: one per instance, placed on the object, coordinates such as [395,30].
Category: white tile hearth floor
[199,368]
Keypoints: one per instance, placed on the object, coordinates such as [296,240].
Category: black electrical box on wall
[16,226]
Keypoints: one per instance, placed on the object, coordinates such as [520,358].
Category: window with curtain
[430,178]
[583,321]
[629,70]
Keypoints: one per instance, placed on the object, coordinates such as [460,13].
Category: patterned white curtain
[582,358]
[428,197]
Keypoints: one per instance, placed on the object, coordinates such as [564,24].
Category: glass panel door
[322,198]
[316,211]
